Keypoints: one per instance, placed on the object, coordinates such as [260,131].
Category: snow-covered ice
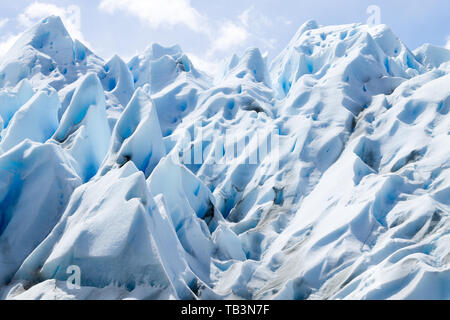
[323,174]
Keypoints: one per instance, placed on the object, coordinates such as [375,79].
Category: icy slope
[46,54]
[322,175]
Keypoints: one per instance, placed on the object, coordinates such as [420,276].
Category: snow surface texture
[353,204]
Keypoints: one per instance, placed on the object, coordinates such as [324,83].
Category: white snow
[36,120]
[84,130]
[136,136]
[323,174]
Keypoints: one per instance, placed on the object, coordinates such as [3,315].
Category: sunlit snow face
[318,174]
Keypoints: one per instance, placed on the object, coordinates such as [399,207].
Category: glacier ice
[84,129]
[323,174]
[46,54]
[136,136]
[105,231]
[37,181]
[36,120]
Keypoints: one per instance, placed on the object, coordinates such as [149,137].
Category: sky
[212,30]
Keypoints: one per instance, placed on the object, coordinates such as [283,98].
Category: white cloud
[250,25]
[269,43]
[448,43]
[210,67]
[255,20]
[3,22]
[169,13]
[157,13]
[244,17]
[7,42]
[223,36]
[230,35]
[283,20]
[71,17]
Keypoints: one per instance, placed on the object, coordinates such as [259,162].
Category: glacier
[323,174]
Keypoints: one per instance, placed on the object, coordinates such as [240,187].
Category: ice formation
[129,171]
